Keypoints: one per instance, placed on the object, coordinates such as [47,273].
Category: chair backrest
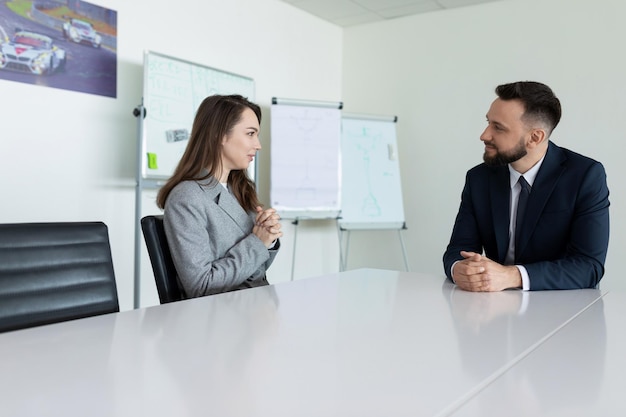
[53,272]
[161,259]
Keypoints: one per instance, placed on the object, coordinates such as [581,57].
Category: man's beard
[503,158]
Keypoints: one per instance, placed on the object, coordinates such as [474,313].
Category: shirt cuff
[525,278]
[452,271]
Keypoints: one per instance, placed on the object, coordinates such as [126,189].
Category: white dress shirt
[529,176]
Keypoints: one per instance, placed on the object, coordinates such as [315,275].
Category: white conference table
[358,343]
[579,372]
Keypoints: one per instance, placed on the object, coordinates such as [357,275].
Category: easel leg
[406,261]
[293,254]
[340,236]
[344,257]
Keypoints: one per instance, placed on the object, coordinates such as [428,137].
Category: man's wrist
[516,277]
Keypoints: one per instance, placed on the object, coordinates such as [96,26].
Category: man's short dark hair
[540,103]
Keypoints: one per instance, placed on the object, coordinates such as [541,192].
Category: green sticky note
[152,161]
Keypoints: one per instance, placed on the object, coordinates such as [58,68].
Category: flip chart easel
[371,186]
[305,176]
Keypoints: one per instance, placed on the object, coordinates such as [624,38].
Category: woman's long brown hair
[215,117]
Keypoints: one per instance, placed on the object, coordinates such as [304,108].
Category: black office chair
[54,272]
[161,259]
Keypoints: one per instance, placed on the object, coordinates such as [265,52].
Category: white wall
[437,72]
[68,156]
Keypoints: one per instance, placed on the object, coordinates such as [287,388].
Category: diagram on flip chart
[371,186]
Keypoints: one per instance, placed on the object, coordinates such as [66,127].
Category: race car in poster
[80,31]
[31,52]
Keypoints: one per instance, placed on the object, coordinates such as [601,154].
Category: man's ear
[537,136]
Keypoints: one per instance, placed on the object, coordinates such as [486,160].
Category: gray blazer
[211,240]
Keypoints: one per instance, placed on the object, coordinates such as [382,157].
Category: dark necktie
[521,210]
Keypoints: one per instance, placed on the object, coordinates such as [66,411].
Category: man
[561,239]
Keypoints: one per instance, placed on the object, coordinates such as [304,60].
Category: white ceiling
[354,12]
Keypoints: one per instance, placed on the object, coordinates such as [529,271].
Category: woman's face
[240,144]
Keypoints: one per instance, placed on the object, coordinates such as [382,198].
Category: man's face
[506,134]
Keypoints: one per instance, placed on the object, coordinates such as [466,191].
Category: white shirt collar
[529,175]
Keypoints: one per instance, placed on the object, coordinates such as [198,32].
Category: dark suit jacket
[565,233]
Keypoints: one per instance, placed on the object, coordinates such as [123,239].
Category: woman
[220,237]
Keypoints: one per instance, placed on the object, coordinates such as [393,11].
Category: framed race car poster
[70,45]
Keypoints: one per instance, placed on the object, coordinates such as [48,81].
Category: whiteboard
[372,191]
[305,155]
[173,90]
